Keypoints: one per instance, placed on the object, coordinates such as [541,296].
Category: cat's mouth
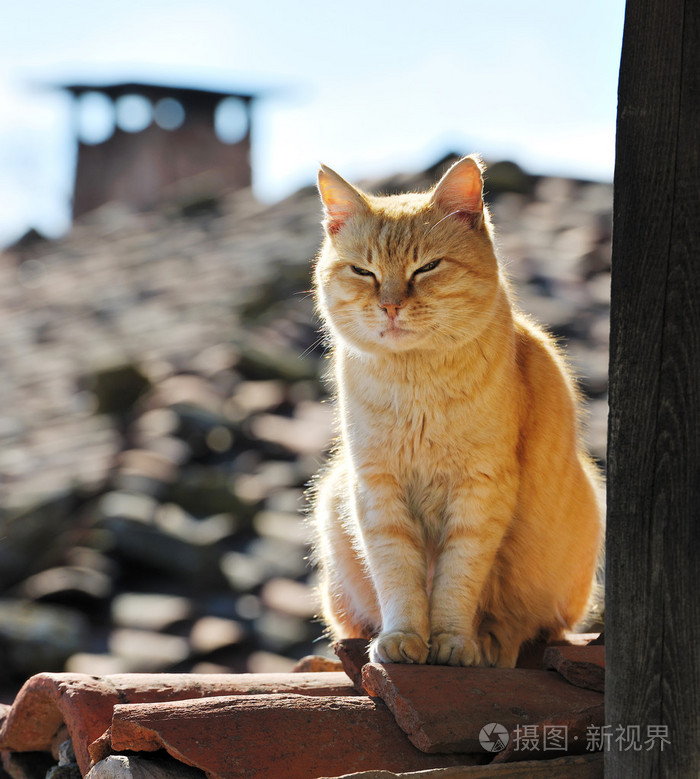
[394,331]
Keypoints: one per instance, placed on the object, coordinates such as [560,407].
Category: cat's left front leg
[477,518]
[394,550]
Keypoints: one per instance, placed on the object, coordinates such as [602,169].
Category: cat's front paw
[398,647]
[453,649]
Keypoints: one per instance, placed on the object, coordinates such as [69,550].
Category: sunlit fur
[458,516]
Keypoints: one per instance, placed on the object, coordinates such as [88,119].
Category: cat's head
[406,272]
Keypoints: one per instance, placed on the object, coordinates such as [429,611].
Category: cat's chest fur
[424,428]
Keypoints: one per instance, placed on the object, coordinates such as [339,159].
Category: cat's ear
[460,190]
[340,199]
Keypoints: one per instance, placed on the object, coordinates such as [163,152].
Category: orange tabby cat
[458,517]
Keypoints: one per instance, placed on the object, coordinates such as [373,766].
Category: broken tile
[532,652]
[353,653]
[443,709]
[317,664]
[583,666]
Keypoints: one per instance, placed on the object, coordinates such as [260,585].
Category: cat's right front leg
[394,549]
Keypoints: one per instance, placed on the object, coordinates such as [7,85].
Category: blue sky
[367,87]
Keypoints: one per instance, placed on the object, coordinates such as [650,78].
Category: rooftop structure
[145,144]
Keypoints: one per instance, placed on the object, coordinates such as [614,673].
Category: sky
[370,87]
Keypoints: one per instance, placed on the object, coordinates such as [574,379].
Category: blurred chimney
[144,145]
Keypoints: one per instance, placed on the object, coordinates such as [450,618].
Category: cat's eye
[428,266]
[361,271]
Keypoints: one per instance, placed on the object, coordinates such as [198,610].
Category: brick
[85,703]
[442,709]
[583,666]
[273,736]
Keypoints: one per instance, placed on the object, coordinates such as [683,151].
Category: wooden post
[653,533]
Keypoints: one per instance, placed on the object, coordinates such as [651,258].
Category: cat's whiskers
[312,346]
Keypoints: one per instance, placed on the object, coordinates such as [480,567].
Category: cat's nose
[391,309]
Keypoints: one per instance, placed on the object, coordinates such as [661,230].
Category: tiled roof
[408,720]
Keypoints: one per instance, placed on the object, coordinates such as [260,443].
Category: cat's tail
[593,619]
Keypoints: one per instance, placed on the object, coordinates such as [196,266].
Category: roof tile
[443,709]
[318,664]
[85,703]
[353,654]
[309,724]
[273,736]
[583,666]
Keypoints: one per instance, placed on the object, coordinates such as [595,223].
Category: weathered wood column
[653,534]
